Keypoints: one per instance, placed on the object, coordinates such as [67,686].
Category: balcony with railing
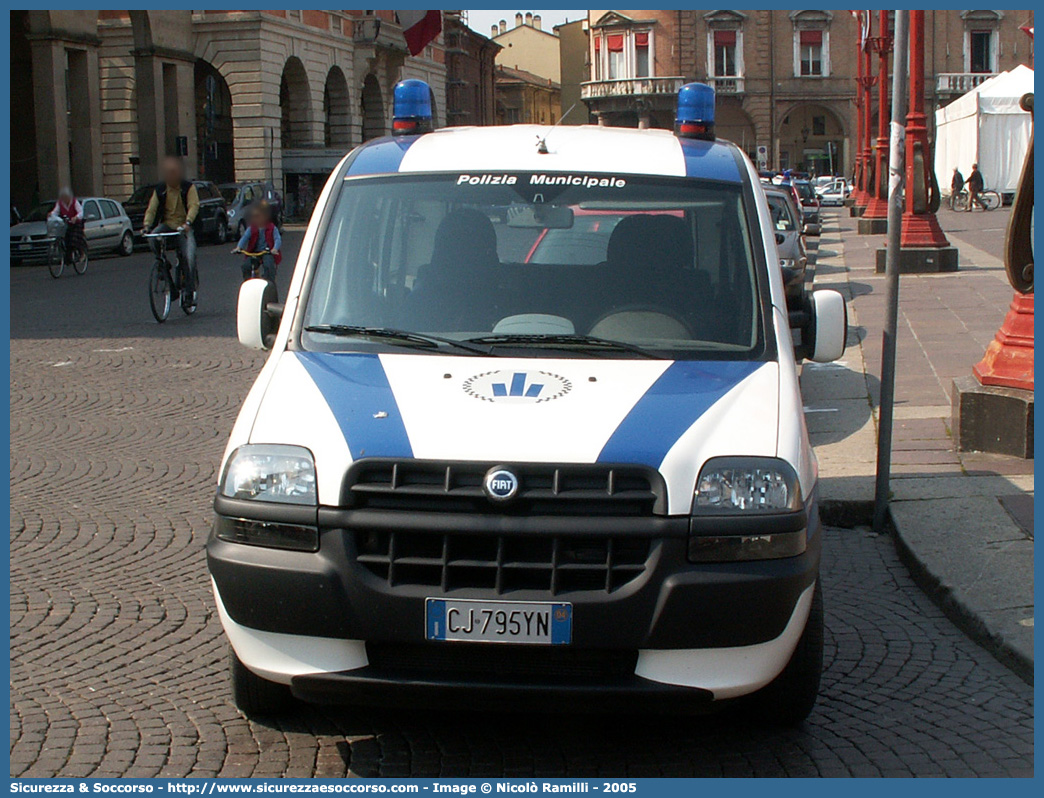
[727,85]
[630,87]
[960,82]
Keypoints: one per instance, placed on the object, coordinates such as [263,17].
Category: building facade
[525,98]
[785,80]
[572,46]
[470,67]
[528,47]
[244,95]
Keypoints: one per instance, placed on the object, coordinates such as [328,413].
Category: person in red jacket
[69,210]
[261,235]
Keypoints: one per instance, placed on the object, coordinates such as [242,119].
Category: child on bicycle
[260,235]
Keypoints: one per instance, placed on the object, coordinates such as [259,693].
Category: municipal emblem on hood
[517,387]
[501,484]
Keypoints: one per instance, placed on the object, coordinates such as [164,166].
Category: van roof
[570,148]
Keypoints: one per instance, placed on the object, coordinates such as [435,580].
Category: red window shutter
[641,40]
[615,43]
[598,43]
[812,37]
[724,38]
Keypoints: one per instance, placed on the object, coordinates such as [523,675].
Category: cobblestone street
[119,664]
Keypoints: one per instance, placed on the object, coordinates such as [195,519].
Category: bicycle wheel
[160,291]
[990,200]
[56,259]
[960,202]
[79,260]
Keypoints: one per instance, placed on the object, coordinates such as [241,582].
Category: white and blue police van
[530,430]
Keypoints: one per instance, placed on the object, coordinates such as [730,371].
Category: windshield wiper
[400,337]
[589,343]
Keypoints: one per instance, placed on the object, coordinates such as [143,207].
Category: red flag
[419,27]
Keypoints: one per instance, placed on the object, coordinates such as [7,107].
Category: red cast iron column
[877,208]
[920,227]
[860,169]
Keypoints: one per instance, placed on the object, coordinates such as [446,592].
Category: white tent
[986,126]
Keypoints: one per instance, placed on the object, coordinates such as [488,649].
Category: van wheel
[254,696]
[789,698]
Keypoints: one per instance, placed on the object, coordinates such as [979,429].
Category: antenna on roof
[542,140]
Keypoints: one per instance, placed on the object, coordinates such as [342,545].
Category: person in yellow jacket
[174,206]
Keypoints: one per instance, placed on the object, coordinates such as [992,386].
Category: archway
[734,124]
[293,105]
[372,109]
[214,133]
[336,110]
[812,139]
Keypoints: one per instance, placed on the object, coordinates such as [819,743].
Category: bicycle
[162,284]
[57,257]
[257,268]
[988,200]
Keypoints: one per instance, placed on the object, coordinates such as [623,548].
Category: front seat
[649,266]
[457,290]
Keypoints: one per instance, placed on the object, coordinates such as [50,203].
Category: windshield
[230,193]
[39,213]
[782,218]
[805,191]
[665,264]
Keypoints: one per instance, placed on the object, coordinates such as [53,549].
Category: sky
[482,20]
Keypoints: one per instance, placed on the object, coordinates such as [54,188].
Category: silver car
[106,227]
[790,242]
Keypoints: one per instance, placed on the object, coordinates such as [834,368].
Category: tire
[126,244]
[80,261]
[161,290]
[254,696]
[56,260]
[960,202]
[221,234]
[991,200]
[788,699]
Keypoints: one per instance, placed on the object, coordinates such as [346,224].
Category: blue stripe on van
[683,393]
[357,391]
[381,156]
[711,160]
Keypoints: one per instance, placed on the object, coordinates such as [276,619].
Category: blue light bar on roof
[411,104]
[695,117]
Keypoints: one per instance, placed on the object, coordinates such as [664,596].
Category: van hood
[670,415]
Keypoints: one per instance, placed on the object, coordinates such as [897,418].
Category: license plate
[533,623]
[25,247]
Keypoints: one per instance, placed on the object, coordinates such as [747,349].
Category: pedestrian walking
[975,187]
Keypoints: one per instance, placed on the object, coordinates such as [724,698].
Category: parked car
[616,502]
[106,226]
[790,243]
[833,193]
[809,203]
[240,196]
[211,222]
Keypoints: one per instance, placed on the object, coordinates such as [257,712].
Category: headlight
[231,212]
[271,473]
[747,508]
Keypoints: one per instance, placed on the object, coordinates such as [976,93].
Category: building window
[819,126]
[622,55]
[725,54]
[981,50]
[810,55]
[641,55]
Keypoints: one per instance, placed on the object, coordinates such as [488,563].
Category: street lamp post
[924,247]
[859,193]
[875,218]
[868,82]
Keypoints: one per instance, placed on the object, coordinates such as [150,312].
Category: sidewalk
[963,520]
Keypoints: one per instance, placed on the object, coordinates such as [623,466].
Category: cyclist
[69,210]
[174,206]
[261,234]
[975,187]
[956,186]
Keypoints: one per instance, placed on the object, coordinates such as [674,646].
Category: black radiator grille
[432,486]
[502,563]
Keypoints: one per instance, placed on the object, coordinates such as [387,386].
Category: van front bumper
[305,618]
